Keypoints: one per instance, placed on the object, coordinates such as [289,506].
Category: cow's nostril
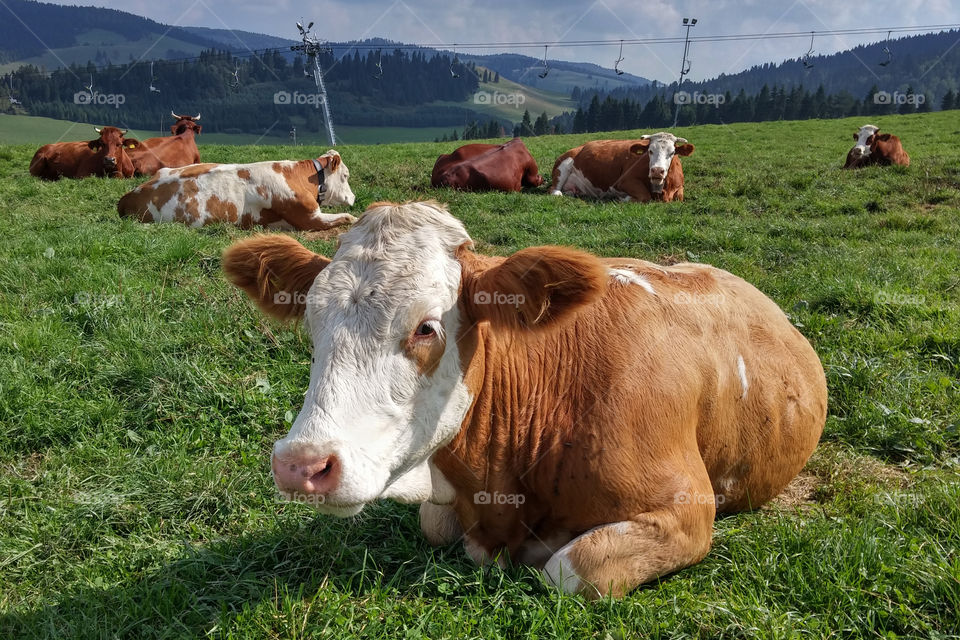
[324,471]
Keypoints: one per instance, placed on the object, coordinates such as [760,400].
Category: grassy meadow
[140,396]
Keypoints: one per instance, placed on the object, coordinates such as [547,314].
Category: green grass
[140,396]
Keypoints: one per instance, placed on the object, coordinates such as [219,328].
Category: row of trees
[777,103]
[252,94]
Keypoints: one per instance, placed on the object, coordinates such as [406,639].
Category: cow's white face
[662,147]
[336,178]
[862,147]
[386,389]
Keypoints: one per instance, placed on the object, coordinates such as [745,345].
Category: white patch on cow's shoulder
[742,372]
[564,170]
[626,276]
[559,572]
[622,528]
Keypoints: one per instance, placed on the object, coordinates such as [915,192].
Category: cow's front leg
[439,524]
[319,221]
[614,559]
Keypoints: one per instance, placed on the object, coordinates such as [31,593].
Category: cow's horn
[97,129]
[174,115]
[196,117]
[681,141]
[124,132]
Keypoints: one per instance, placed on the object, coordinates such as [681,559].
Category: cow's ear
[276,272]
[533,288]
[883,137]
[640,147]
[173,129]
[333,163]
[684,149]
[856,136]
[197,128]
[131,143]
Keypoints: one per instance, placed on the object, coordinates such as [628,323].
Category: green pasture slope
[140,396]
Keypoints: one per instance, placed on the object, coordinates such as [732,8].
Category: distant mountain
[562,77]
[236,40]
[56,35]
[929,64]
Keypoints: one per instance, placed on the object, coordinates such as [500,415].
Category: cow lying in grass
[629,170]
[586,415]
[487,167]
[106,155]
[284,194]
[877,148]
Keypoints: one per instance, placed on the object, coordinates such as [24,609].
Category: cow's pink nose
[309,475]
[657,172]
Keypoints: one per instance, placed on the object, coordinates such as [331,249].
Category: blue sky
[432,21]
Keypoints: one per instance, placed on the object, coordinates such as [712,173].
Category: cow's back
[449,160]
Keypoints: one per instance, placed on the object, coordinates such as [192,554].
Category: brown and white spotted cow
[877,148]
[586,415]
[629,170]
[282,194]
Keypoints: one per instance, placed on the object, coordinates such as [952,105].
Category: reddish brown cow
[586,415]
[629,170]
[178,150]
[877,148]
[487,167]
[103,156]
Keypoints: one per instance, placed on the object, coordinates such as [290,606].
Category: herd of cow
[589,416]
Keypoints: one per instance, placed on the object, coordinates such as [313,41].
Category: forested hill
[58,26]
[256,93]
[928,63]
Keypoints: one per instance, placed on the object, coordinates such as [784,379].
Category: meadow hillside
[140,396]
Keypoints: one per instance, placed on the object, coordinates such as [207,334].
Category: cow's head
[864,137]
[336,176]
[662,148]
[386,315]
[184,124]
[111,146]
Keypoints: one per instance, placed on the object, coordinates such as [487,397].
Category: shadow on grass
[382,555]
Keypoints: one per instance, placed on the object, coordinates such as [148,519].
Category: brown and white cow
[877,148]
[629,170]
[106,155]
[283,194]
[487,167]
[586,415]
[177,150]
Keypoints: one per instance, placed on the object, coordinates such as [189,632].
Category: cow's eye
[425,329]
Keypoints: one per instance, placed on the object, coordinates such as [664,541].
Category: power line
[528,44]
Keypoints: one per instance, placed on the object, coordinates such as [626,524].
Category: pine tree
[949,101]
